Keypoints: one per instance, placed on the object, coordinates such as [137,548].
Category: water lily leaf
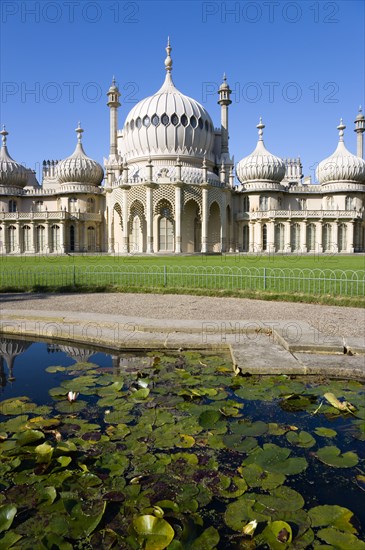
[243,510]
[325,432]
[333,516]
[186,441]
[278,534]
[255,476]
[301,439]
[282,499]
[46,495]
[71,408]
[273,458]
[295,402]
[16,406]
[208,540]
[360,481]
[15,424]
[340,540]
[81,524]
[233,487]
[277,429]
[7,514]
[56,368]
[209,418]
[333,457]
[28,437]
[53,540]
[40,422]
[153,533]
[44,453]
[64,461]
[142,393]
[9,539]
[249,429]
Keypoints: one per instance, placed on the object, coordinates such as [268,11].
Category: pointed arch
[191,227]
[214,228]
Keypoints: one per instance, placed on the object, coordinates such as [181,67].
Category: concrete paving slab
[354,346]
[339,366]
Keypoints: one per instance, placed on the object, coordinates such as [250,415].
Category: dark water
[23,373]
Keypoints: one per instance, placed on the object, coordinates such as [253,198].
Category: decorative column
[360,129]
[251,236]
[149,216]
[46,237]
[303,236]
[17,237]
[259,235]
[271,236]
[113,103]
[224,226]
[62,237]
[319,237]
[350,236]
[125,241]
[335,236]
[178,196]
[205,218]
[224,101]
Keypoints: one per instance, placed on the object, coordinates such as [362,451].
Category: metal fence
[307,281]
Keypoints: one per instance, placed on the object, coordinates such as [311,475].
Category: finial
[168,60]
[113,81]
[341,128]
[360,109]
[260,127]
[4,133]
[204,162]
[79,131]
[224,77]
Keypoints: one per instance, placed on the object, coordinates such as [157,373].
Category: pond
[174,450]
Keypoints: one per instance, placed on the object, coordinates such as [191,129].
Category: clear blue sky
[299,65]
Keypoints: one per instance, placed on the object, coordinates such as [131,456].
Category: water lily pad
[255,476]
[282,499]
[249,429]
[16,406]
[44,452]
[333,516]
[333,457]
[301,439]
[56,368]
[208,540]
[28,437]
[278,534]
[325,432]
[7,514]
[273,458]
[340,539]
[153,533]
[209,418]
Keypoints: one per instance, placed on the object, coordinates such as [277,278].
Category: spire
[168,60]
[341,128]
[260,127]
[79,131]
[4,133]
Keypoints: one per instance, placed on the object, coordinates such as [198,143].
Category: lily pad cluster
[180,453]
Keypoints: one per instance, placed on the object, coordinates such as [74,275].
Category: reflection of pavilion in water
[9,350]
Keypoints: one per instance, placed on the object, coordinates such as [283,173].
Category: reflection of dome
[78,354]
[260,165]
[11,173]
[9,349]
[79,168]
[168,123]
[341,165]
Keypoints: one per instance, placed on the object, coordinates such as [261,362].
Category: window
[166,234]
[11,238]
[175,119]
[263,202]
[279,237]
[146,121]
[165,119]
[91,240]
[72,204]
[342,237]
[327,237]
[26,238]
[39,206]
[295,237]
[246,203]
[40,238]
[264,237]
[246,241]
[139,123]
[90,205]
[184,120]
[201,124]
[302,204]
[72,238]
[348,203]
[155,120]
[193,122]
[55,238]
[132,125]
[311,237]
[12,206]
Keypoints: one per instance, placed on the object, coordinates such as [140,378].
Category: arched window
[295,237]
[166,234]
[246,238]
[39,206]
[311,237]
[72,204]
[26,238]
[91,239]
[279,237]
[55,238]
[327,237]
[342,237]
[90,205]
[263,202]
[264,237]
[12,206]
[136,240]
[41,232]
[11,238]
[72,238]
[348,203]
[246,203]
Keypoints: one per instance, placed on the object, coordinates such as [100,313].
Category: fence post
[264,278]
[164,276]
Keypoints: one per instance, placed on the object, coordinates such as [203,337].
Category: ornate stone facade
[169,187]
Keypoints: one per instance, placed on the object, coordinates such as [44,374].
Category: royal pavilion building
[168,186]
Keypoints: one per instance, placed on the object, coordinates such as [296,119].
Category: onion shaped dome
[341,165]
[260,165]
[11,173]
[168,124]
[79,168]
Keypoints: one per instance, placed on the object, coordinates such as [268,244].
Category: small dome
[168,124]
[11,173]
[79,168]
[360,115]
[261,165]
[341,165]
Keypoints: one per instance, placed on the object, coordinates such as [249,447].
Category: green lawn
[321,279]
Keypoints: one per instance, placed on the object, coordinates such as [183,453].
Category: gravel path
[331,320]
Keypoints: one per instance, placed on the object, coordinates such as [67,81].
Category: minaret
[113,103]
[224,100]
[360,129]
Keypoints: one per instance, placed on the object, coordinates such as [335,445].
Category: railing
[49,215]
[305,281]
[335,214]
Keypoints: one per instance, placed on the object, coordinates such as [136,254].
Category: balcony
[299,214]
[60,215]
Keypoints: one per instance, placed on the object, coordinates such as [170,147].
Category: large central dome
[168,124]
